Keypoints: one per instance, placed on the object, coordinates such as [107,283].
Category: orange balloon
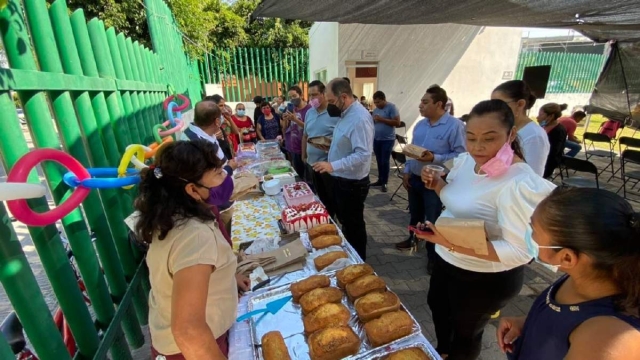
[155,147]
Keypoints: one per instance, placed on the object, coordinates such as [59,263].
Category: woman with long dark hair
[592,311]
[192,267]
[491,183]
[548,118]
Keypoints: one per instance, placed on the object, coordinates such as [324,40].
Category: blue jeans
[382,149]
[424,204]
[574,148]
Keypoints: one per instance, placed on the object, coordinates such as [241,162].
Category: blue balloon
[172,119]
[103,178]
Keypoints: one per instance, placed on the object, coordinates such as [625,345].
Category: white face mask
[533,249]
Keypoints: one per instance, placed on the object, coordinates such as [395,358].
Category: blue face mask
[543,123]
[533,249]
[241,112]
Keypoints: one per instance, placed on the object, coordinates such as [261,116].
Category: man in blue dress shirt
[349,161]
[444,137]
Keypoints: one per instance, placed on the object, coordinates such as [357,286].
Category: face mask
[222,120]
[543,123]
[500,163]
[267,112]
[281,108]
[533,249]
[241,112]
[296,102]
[315,103]
[221,194]
[333,110]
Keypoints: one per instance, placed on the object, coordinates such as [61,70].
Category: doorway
[364,78]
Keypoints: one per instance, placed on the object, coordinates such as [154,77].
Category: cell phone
[290,108]
[425,231]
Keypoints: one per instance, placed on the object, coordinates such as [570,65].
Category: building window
[321,76]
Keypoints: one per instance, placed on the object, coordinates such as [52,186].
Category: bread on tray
[327,315]
[333,343]
[273,347]
[375,304]
[304,286]
[388,327]
[329,258]
[324,241]
[325,229]
[317,297]
[364,285]
[412,353]
[351,273]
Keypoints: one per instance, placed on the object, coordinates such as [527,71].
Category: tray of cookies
[344,314]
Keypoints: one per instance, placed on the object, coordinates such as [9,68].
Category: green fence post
[145,135]
[235,70]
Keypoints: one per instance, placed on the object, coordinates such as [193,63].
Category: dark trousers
[349,196]
[462,303]
[382,149]
[298,164]
[424,205]
[323,185]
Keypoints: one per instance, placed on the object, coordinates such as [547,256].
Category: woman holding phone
[491,183]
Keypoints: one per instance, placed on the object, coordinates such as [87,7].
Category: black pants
[349,196]
[323,186]
[424,205]
[462,303]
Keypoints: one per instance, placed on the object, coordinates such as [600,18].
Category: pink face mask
[500,163]
[315,103]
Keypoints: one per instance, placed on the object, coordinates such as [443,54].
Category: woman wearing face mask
[268,125]
[193,300]
[492,183]
[244,124]
[592,311]
[533,139]
[548,118]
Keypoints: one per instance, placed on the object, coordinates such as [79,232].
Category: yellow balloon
[133,150]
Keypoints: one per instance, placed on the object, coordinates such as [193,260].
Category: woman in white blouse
[533,139]
[492,183]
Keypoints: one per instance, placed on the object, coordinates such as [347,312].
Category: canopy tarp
[599,20]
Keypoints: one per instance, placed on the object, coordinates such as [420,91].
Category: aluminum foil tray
[289,322]
[381,352]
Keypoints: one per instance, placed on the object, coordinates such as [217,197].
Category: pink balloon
[171,131]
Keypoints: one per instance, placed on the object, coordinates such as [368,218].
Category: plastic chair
[577,165]
[627,157]
[589,140]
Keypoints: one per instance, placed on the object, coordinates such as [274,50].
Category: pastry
[375,304]
[305,216]
[364,285]
[329,258]
[327,315]
[297,194]
[304,286]
[324,241]
[314,298]
[326,229]
[333,343]
[273,347]
[351,273]
[389,327]
[412,353]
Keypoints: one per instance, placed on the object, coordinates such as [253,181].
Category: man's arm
[392,120]
[457,144]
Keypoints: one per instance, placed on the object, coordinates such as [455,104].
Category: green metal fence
[104,91]
[570,73]
[246,72]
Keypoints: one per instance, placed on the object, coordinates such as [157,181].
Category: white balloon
[17,191]
[134,160]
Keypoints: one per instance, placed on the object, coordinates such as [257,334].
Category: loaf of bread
[351,273]
[324,241]
[325,229]
[333,343]
[304,286]
[273,347]
[327,259]
[375,304]
[389,327]
[413,353]
[314,298]
[364,285]
[327,315]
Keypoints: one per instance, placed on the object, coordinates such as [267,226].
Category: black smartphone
[425,231]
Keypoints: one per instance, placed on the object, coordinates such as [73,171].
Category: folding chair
[399,159]
[590,150]
[402,140]
[403,126]
[577,165]
[627,157]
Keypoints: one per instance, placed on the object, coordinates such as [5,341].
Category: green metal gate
[105,92]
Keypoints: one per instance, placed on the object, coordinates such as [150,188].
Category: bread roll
[351,273]
[273,347]
[317,297]
[325,229]
[327,315]
[329,258]
[364,285]
[333,343]
[389,327]
[375,304]
[413,353]
[304,286]
[324,241]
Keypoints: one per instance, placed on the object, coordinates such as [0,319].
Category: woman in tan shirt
[194,288]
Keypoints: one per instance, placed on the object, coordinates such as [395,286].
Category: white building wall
[323,49]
